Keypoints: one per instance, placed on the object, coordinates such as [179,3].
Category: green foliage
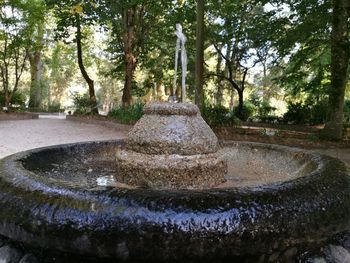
[18,99]
[347,111]
[247,111]
[297,113]
[56,107]
[265,109]
[218,115]
[82,104]
[300,113]
[127,115]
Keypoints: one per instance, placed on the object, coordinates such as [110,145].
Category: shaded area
[178,225]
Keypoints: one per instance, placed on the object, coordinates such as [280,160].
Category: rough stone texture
[160,133]
[211,225]
[316,260]
[171,171]
[9,254]
[3,241]
[171,147]
[164,108]
[29,258]
[337,254]
[18,116]
[289,255]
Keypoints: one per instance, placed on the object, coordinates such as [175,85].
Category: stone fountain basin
[275,198]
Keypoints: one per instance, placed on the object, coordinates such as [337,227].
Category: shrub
[347,111]
[318,113]
[265,110]
[81,103]
[55,107]
[18,99]
[127,115]
[299,113]
[247,111]
[216,115]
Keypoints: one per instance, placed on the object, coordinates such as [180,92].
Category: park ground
[21,135]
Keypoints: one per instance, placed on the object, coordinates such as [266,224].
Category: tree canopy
[248,56]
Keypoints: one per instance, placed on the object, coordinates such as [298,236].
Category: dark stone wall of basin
[143,224]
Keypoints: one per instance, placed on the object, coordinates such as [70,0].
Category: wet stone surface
[330,252]
[147,199]
[262,222]
[248,165]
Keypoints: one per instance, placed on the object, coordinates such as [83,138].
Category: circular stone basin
[68,198]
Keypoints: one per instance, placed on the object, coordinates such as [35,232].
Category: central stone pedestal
[171,147]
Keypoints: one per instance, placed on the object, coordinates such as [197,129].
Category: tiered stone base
[171,171]
[171,147]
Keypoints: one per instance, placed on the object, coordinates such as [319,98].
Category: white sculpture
[180,45]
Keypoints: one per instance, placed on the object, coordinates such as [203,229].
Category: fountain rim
[154,208]
[11,163]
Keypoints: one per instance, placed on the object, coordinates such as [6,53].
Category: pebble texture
[9,254]
[172,128]
[171,171]
[143,224]
[171,147]
[29,258]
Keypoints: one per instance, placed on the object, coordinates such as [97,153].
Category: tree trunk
[35,98]
[129,58]
[159,90]
[199,78]
[340,53]
[88,80]
[240,104]
[219,83]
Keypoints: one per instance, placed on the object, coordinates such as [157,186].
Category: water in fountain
[171,192]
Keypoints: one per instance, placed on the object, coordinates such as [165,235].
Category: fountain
[171,192]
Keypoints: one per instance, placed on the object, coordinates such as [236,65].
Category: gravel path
[16,136]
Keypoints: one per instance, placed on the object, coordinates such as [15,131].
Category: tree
[200,54]
[233,37]
[75,14]
[142,36]
[36,22]
[13,39]
[62,64]
[340,55]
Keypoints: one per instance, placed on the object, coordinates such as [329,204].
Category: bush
[247,111]
[56,107]
[347,111]
[265,110]
[81,103]
[17,100]
[216,115]
[128,115]
[299,113]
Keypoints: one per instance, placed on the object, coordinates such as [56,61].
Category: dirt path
[16,136]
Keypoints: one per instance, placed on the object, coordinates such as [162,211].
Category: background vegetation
[270,61]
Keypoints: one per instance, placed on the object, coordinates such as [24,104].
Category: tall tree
[340,55]
[13,39]
[73,13]
[36,17]
[143,36]
[199,70]
[233,37]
